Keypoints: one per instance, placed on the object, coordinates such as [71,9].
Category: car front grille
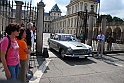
[80,51]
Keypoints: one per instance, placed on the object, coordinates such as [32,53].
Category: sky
[112,7]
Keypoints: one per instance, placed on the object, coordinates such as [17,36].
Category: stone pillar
[112,33]
[18,15]
[104,29]
[40,26]
[104,24]
[121,36]
[90,30]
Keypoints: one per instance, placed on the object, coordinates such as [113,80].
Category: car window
[65,37]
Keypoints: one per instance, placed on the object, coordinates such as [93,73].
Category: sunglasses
[18,30]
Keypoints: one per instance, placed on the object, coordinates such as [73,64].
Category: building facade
[55,23]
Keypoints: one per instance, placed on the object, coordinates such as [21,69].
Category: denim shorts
[14,70]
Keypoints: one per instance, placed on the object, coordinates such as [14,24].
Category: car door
[55,41]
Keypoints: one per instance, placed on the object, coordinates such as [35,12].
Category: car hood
[75,45]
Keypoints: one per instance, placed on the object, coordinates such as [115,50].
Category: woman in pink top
[11,62]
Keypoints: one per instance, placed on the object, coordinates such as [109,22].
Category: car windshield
[67,38]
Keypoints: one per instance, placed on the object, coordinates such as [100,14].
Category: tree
[109,18]
[116,19]
[99,19]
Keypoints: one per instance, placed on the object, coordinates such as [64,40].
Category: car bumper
[80,56]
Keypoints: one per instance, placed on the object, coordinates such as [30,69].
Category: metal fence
[8,14]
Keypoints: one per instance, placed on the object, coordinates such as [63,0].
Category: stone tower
[55,12]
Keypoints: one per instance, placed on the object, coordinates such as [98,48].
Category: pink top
[13,53]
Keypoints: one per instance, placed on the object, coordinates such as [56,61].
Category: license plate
[81,56]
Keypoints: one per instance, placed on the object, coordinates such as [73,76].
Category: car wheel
[62,54]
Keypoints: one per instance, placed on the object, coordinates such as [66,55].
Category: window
[85,6]
[72,22]
[72,9]
[81,5]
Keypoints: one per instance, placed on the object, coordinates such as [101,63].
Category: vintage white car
[68,46]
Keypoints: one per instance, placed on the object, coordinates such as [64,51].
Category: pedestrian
[22,26]
[23,53]
[82,37]
[29,36]
[100,40]
[10,57]
[109,42]
[32,37]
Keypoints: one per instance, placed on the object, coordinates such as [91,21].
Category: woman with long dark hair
[23,53]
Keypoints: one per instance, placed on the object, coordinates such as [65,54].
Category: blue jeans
[14,70]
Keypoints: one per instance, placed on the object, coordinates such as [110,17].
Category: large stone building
[55,23]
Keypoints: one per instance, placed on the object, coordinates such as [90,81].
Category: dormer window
[54,8]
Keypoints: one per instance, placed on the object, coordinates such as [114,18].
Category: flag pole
[99,15]
[98,1]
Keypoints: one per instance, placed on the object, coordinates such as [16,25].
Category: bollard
[45,53]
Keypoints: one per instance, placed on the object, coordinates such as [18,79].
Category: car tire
[85,57]
[62,54]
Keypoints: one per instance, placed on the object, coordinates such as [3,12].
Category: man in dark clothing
[109,41]
[28,38]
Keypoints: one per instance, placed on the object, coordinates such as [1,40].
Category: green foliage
[109,19]
[116,19]
[99,19]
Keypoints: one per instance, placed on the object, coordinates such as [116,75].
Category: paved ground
[115,47]
[37,61]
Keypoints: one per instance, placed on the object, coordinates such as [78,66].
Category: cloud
[112,7]
[62,2]
[62,5]
[49,4]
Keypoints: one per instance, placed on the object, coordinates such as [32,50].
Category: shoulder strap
[9,44]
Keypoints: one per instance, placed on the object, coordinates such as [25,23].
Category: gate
[8,14]
[81,25]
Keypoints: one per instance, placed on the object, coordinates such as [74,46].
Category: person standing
[23,53]
[29,33]
[100,40]
[82,37]
[109,42]
[11,62]
[22,26]
[32,37]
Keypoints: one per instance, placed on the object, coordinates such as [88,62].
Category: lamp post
[85,25]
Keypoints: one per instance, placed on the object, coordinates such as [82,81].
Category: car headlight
[90,49]
[69,50]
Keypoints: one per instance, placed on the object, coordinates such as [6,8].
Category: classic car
[69,46]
